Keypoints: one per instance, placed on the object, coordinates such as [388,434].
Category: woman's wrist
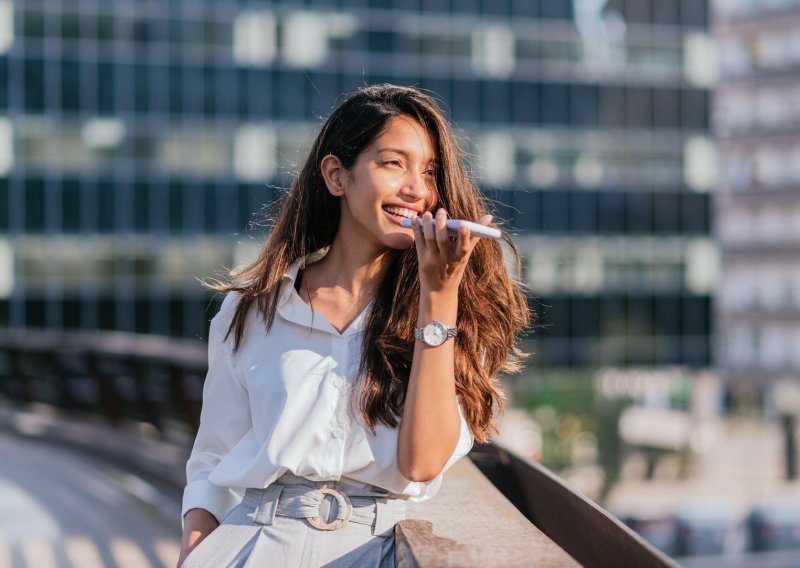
[199,520]
[440,305]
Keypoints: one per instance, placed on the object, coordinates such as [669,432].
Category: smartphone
[476,229]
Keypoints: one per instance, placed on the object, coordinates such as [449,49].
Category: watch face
[434,333]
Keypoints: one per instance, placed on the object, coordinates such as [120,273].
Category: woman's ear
[333,173]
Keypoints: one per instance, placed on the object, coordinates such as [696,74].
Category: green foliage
[565,404]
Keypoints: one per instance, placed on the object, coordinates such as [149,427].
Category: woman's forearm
[430,424]
[197,525]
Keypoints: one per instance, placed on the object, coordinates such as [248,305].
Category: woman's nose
[417,186]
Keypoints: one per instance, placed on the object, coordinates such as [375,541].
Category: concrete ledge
[470,523]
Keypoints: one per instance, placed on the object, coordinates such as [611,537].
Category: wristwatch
[434,333]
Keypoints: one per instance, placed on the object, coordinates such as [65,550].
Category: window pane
[638,11]
[556,9]
[665,12]
[584,212]
[5,196]
[525,7]
[555,211]
[667,213]
[555,104]
[583,105]
[612,212]
[694,13]
[612,106]
[640,212]
[694,109]
[141,206]
[496,101]
[639,107]
[525,103]
[528,209]
[695,214]
[71,205]
[666,105]
[34,204]
[3,83]
[141,88]
[34,85]
[106,79]
[466,101]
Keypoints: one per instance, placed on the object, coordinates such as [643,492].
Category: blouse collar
[294,309]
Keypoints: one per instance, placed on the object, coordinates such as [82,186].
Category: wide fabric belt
[327,507]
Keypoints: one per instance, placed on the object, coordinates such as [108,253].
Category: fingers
[419,237]
[440,234]
[464,243]
[432,238]
[429,233]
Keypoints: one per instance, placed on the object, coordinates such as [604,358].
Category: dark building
[138,138]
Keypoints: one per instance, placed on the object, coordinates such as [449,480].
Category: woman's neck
[353,271]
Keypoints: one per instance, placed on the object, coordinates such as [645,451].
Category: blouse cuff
[201,494]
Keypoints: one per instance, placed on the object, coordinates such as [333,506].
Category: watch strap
[451,331]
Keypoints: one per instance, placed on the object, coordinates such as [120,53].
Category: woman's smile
[396,214]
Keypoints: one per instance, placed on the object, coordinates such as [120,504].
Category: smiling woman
[391,179]
[312,469]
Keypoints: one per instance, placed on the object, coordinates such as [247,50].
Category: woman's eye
[431,173]
[392,163]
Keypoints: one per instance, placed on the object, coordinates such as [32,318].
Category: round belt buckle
[343,502]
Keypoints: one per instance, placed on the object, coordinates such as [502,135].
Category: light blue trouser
[275,526]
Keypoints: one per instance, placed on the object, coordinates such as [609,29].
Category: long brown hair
[492,307]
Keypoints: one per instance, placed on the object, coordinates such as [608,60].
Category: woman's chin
[399,241]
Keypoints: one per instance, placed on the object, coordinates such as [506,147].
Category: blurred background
[641,153]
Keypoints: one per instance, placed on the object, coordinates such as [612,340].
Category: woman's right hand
[197,525]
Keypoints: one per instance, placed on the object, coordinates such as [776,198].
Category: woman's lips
[395,218]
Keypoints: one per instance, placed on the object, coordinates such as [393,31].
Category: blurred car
[658,530]
[703,527]
[774,526]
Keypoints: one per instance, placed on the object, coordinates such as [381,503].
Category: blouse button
[337,382]
[336,433]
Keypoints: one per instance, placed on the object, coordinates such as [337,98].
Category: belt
[315,502]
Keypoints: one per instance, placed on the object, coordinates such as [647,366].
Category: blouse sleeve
[224,420]
[428,489]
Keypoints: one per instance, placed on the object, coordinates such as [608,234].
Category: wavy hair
[492,306]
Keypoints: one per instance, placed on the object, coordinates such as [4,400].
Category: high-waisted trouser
[296,522]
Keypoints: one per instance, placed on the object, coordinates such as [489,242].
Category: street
[59,508]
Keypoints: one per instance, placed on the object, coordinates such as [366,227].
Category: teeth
[401,211]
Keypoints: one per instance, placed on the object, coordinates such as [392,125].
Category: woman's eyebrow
[390,149]
[403,153]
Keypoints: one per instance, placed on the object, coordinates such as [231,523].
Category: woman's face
[392,178]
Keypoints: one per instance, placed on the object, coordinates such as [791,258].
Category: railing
[130,379]
[118,375]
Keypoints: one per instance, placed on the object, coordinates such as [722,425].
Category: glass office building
[138,138]
[758,203]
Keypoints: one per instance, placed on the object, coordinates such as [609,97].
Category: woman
[354,361]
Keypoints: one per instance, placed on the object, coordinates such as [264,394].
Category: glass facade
[756,120]
[139,138]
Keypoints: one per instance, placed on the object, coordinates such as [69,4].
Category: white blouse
[280,403]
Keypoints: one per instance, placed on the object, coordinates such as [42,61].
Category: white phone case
[476,230]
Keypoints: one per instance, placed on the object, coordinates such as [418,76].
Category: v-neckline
[314,313]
